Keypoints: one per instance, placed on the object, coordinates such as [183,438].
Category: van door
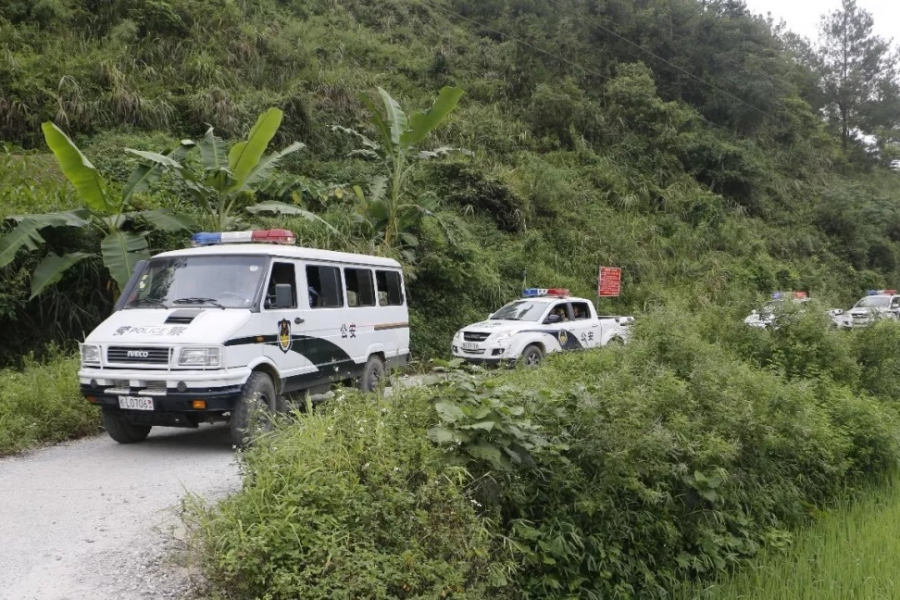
[393,315]
[283,324]
[329,328]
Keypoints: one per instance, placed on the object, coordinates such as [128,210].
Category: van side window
[360,287]
[390,288]
[281,273]
[324,285]
[581,310]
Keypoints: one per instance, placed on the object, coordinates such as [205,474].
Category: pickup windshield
[874,302]
[520,310]
[213,281]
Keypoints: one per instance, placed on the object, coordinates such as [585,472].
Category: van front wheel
[253,411]
[372,374]
[124,431]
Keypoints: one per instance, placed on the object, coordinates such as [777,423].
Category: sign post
[609,283]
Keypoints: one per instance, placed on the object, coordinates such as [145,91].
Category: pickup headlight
[200,357]
[90,354]
[457,336]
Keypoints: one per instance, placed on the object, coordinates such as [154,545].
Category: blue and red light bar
[881,292]
[793,295]
[540,292]
[262,236]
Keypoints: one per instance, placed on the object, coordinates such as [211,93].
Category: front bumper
[170,408]
[482,353]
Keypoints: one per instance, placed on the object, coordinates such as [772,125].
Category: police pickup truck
[541,322]
[773,309]
[876,304]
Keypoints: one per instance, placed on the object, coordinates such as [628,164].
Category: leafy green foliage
[351,499]
[42,403]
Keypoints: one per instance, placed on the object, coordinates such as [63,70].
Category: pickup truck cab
[541,322]
[876,304]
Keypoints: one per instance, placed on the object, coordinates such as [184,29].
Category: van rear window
[390,288]
[324,286]
[360,287]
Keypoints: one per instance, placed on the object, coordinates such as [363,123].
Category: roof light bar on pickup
[794,295]
[262,236]
[539,292]
[881,292]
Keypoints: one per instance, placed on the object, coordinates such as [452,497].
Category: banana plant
[387,207]
[229,176]
[124,241]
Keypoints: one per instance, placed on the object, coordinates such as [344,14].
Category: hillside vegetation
[705,173]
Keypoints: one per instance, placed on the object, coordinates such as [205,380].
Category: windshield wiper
[143,301]
[212,301]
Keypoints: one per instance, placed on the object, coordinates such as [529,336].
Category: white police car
[224,329]
[876,304]
[770,311]
[541,322]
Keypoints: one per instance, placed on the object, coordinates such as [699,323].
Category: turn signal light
[199,404]
[91,399]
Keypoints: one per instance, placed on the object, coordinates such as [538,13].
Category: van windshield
[217,281]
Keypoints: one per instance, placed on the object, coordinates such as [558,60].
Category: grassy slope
[851,552]
[42,403]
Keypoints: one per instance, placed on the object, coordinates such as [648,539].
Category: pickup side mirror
[551,319]
[284,296]
[754,312]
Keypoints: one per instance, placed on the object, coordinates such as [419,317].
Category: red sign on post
[610,283]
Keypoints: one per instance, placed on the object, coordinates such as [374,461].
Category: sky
[802,16]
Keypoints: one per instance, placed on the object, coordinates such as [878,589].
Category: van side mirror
[551,319]
[284,296]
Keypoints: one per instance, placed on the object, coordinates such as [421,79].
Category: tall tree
[859,72]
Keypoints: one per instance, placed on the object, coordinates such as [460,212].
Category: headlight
[457,335]
[199,357]
[90,354]
[503,335]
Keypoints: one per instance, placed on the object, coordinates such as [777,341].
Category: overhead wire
[435,4]
[559,5]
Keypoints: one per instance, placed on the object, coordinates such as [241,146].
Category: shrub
[42,403]
[351,501]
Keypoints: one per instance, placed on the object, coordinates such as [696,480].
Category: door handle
[298,321]
[596,325]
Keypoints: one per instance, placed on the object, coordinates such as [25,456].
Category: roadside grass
[852,552]
[41,403]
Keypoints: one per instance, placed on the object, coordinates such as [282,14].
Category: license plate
[135,403]
[469,346]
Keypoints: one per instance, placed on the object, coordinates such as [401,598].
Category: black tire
[616,341]
[532,356]
[124,431]
[372,375]
[253,411]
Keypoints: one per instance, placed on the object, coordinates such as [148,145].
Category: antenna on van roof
[525,279]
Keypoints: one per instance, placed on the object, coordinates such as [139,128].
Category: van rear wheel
[372,375]
[253,411]
[124,431]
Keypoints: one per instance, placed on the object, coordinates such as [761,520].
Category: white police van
[876,304]
[544,320]
[226,328]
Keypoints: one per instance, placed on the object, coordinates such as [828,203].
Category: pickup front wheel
[532,356]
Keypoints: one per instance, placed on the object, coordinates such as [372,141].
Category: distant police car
[542,321]
[876,304]
[768,316]
[217,331]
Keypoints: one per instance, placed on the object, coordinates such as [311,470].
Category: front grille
[133,355]
[471,336]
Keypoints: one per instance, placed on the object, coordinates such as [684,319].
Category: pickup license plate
[469,346]
[135,403]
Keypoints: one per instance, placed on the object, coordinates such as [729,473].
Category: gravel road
[96,520]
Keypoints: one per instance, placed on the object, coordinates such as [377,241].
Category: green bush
[42,403]
[618,473]
[351,501]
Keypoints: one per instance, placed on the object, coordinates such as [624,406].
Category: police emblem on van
[284,335]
